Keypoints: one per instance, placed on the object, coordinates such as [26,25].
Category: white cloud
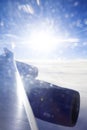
[26,8]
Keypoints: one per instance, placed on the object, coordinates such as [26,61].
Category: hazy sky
[44,29]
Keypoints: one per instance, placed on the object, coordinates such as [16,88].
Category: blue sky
[63,24]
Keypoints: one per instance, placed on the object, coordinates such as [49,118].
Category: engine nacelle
[53,103]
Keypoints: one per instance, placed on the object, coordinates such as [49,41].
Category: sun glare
[46,41]
[42,41]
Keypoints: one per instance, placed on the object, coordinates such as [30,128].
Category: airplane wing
[18,101]
[15,114]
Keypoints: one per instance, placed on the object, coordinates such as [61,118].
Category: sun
[45,40]
[42,41]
